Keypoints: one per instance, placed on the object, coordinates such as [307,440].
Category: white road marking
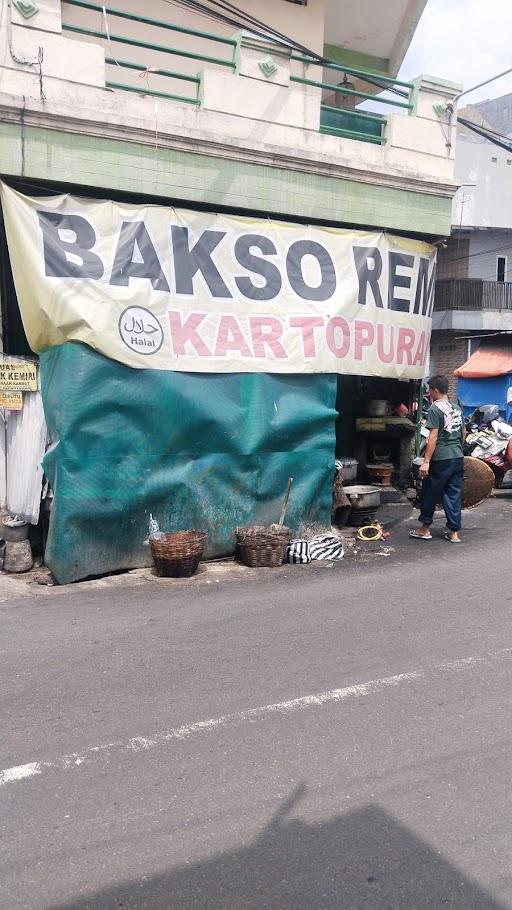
[20,772]
[140,743]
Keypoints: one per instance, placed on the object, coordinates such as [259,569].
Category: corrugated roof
[487,361]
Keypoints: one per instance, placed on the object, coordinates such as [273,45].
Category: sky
[464,41]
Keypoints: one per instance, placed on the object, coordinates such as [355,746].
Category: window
[501,269]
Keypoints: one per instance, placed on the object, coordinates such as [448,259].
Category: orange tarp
[487,362]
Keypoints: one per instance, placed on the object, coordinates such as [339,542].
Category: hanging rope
[109,43]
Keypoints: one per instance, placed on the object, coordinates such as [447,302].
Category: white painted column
[260,88]
[34,52]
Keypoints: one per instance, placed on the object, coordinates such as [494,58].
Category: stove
[357,518]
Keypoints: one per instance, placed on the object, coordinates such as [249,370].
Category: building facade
[474,274]
[237,121]
[288,110]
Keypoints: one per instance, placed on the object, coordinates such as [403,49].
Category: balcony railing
[154,48]
[472,294]
[157,40]
[352,124]
[347,121]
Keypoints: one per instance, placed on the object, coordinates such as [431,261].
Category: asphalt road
[311,737]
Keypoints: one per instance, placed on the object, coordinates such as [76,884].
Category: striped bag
[298,551]
[326,546]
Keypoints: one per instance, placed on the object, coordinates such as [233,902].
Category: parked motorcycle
[490,439]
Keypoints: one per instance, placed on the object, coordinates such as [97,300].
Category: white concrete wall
[48,17]
[374,27]
[423,132]
[484,248]
[242,110]
[305,24]
[63,59]
[473,320]
[485,173]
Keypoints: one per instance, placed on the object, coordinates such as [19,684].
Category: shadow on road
[364,860]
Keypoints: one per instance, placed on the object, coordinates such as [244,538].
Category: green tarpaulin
[196,450]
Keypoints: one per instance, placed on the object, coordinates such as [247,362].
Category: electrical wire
[498,249]
[492,277]
[486,134]
[493,137]
[488,129]
[233,16]
[224,11]
[24,61]
[261,29]
[205,12]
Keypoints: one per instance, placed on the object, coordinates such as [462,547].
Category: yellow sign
[18,375]
[11,400]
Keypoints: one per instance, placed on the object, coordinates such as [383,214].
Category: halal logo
[140,330]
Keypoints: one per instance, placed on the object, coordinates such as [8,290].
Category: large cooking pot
[363,497]
[348,469]
[376,407]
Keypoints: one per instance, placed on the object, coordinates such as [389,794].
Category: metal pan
[363,497]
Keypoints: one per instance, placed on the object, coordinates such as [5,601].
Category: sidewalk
[480,527]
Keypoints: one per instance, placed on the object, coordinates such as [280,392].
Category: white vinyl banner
[172,289]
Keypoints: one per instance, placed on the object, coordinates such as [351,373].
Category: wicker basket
[176,554]
[260,547]
[478,482]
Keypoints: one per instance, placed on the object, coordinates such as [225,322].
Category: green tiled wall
[46,154]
